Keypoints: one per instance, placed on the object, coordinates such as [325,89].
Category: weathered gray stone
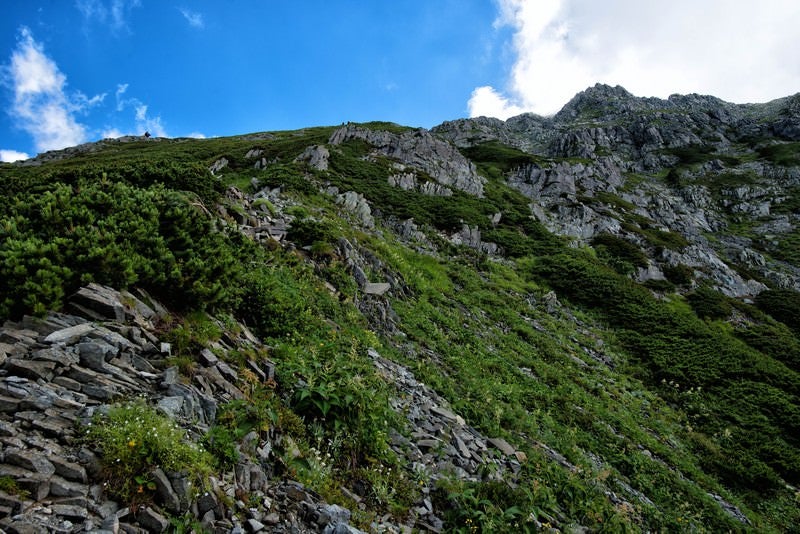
[9,404]
[182,486]
[258,478]
[94,354]
[207,501]
[333,513]
[170,376]
[215,378]
[103,301]
[356,204]
[110,523]
[444,412]
[55,354]
[171,406]
[104,393]
[138,310]
[227,372]
[60,487]
[418,148]
[208,358]
[254,526]
[23,526]
[164,491]
[36,485]
[115,339]
[71,511]
[18,336]
[379,289]
[152,520]
[67,382]
[68,336]
[7,429]
[429,444]
[31,369]
[317,157]
[503,446]
[30,460]
[54,426]
[463,450]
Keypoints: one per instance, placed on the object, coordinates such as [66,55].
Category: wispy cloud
[143,121]
[194,18]
[42,107]
[112,13]
[12,155]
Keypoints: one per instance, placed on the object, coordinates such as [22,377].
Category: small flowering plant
[133,440]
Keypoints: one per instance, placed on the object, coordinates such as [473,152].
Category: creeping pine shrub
[134,439]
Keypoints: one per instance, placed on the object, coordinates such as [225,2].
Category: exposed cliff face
[419,149]
[693,165]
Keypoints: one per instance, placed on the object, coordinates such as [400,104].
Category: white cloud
[194,19]
[143,122]
[734,49]
[41,106]
[111,133]
[485,101]
[12,155]
[147,123]
[112,13]
[121,88]
[196,135]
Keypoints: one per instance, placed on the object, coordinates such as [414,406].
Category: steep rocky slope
[694,165]
[585,322]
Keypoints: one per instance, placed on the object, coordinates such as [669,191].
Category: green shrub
[785,154]
[275,303]
[116,234]
[133,439]
[621,254]
[307,231]
[750,392]
[680,274]
[660,285]
[708,303]
[783,305]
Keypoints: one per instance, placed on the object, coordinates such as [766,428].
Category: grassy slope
[665,420]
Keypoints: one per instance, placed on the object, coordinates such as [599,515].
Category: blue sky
[223,68]
[73,71]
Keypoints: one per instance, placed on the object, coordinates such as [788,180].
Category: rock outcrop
[690,164]
[421,150]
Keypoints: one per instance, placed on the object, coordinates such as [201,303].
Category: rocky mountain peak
[597,101]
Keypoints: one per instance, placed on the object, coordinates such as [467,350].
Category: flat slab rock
[376,288]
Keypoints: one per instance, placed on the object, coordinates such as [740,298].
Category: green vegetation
[784,154]
[680,275]
[656,398]
[623,256]
[495,159]
[741,389]
[117,234]
[135,439]
[10,486]
[694,154]
[783,305]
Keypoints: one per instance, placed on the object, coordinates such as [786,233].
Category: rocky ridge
[606,140]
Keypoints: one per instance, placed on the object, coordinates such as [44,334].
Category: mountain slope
[587,320]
